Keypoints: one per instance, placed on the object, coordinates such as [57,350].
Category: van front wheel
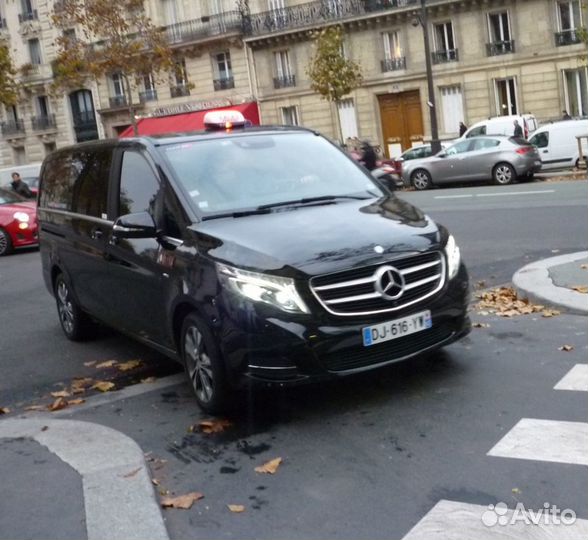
[74,322]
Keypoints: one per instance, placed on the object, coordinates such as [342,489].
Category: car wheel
[421,179]
[203,365]
[74,322]
[503,174]
[5,243]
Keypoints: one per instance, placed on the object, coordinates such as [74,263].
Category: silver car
[499,158]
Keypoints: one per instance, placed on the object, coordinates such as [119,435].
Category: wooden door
[402,119]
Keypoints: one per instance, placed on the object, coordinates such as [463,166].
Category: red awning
[192,121]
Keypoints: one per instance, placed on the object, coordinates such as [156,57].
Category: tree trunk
[339,128]
[131,109]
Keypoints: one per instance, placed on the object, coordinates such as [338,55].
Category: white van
[502,125]
[557,143]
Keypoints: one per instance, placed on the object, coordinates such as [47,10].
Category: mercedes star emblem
[389,282]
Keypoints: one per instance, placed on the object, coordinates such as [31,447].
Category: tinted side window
[90,189]
[482,144]
[57,177]
[138,185]
[459,148]
[540,140]
[480,130]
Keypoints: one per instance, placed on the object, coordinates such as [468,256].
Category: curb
[533,282]
[119,500]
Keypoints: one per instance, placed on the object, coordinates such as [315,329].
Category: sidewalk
[552,281]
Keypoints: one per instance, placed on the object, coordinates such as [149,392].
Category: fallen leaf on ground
[181,501]
[550,312]
[58,404]
[127,366]
[4,410]
[77,401]
[237,508]
[34,408]
[270,467]
[480,284]
[132,473]
[581,289]
[155,481]
[103,386]
[44,428]
[61,393]
[480,325]
[90,364]
[584,266]
[149,380]
[504,302]
[106,364]
[566,348]
[79,384]
[515,490]
[211,426]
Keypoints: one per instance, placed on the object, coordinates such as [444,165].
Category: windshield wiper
[308,200]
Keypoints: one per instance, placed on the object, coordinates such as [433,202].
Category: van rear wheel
[74,322]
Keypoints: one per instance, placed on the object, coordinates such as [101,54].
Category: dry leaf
[237,508]
[44,428]
[103,386]
[584,266]
[79,385]
[480,284]
[155,481]
[58,404]
[149,380]
[211,426]
[90,364]
[127,366]
[77,401]
[61,393]
[4,410]
[504,302]
[515,490]
[182,501]
[580,288]
[550,312]
[132,473]
[34,408]
[480,325]
[106,364]
[270,467]
[566,348]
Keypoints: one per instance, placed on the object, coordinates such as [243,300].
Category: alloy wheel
[198,364]
[65,307]
[503,174]
[4,242]
[420,180]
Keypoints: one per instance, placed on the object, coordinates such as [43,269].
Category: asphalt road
[367,457]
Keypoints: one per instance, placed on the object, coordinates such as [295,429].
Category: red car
[18,222]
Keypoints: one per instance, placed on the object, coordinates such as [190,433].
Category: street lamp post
[422,20]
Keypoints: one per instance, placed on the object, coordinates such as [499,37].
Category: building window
[182,86]
[506,96]
[149,92]
[223,73]
[42,119]
[452,108]
[569,17]
[347,119]
[284,77]
[393,58]
[48,148]
[117,91]
[290,116]
[19,155]
[499,33]
[35,51]
[445,50]
[28,12]
[576,91]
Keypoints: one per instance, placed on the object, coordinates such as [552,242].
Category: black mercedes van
[246,254]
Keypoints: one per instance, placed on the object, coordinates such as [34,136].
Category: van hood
[312,240]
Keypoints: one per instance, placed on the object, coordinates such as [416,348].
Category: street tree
[111,37]
[331,73]
[9,92]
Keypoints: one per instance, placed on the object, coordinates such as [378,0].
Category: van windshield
[238,173]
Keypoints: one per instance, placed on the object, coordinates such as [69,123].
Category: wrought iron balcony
[179,90]
[500,47]
[316,13]
[568,37]
[148,95]
[28,16]
[442,57]
[43,122]
[117,102]
[84,118]
[285,81]
[224,83]
[12,127]
[393,64]
[205,27]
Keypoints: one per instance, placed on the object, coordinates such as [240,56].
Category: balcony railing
[224,83]
[179,90]
[316,13]
[229,21]
[28,16]
[285,81]
[148,95]
[12,127]
[442,57]
[43,122]
[500,47]
[393,64]
[84,118]
[568,37]
[117,102]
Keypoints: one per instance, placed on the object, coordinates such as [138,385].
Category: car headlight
[23,217]
[453,257]
[277,291]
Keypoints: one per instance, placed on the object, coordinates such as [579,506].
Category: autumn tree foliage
[111,36]
[332,75]
[8,85]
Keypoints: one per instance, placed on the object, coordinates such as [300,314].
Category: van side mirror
[139,225]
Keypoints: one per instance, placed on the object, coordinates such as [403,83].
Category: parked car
[416,152]
[18,222]
[501,159]
[228,252]
[502,125]
[558,146]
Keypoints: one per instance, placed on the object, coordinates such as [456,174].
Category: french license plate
[396,328]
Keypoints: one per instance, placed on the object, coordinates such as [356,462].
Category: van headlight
[277,291]
[453,257]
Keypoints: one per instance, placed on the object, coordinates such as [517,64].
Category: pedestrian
[368,156]
[566,116]
[20,186]
[518,130]
[462,128]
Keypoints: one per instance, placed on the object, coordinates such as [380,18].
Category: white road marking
[576,379]
[507,193]
[545,440]
[461,521]
[452,196]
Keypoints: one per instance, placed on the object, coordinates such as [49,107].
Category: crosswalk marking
[461,521]
[545,440]
[576,379]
